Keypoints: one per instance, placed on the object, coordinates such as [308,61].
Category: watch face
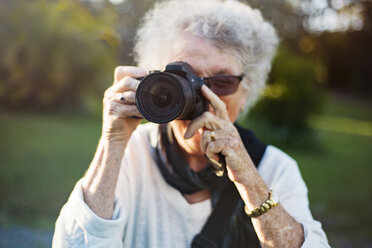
[275,197]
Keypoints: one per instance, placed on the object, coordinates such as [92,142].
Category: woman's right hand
[120,113]
[100,180]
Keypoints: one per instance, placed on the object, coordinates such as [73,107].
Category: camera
[175,93]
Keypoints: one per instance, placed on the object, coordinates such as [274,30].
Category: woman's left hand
[225,139]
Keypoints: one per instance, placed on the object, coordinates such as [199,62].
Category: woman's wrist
[250,185]
[115,137]
[253,196]
[242,169]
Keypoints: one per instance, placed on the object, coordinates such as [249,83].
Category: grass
[338,175]
[42,156]
[338,178]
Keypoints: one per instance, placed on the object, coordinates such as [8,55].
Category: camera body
[172,94]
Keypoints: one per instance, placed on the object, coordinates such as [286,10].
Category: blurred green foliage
[292,95]
[54,54]
[60,55]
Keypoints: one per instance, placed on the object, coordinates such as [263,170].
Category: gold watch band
[265,206]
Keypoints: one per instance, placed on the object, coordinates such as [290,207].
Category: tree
[54,54]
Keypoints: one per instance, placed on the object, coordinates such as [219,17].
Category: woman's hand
[120,113]
[226,140]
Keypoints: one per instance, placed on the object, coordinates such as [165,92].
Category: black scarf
[176,171]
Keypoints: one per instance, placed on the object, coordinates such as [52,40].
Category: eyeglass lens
[223,85]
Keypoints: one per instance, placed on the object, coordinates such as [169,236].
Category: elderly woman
[130,197]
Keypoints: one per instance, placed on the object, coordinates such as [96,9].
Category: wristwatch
[271,202]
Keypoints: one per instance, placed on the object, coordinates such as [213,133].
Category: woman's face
[206,61]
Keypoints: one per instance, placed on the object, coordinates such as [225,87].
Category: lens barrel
[162,97]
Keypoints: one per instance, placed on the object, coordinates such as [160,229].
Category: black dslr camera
[172,94]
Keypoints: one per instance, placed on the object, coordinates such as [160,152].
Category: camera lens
[160,97]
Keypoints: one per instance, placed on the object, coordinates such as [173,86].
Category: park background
[57,57]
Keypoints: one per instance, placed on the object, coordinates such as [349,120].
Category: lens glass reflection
[162,97]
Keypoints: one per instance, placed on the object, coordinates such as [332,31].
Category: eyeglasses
[223,85]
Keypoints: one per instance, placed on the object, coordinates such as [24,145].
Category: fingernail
[188,134]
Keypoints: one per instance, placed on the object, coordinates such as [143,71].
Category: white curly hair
[229,25]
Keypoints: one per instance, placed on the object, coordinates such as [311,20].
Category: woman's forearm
[275,228]
[101,178]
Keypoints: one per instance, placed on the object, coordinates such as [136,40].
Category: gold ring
[213,137]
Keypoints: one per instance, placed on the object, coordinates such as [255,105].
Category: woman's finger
[214,148]
[122,111]
[126,97]
[126,83]
[210,136]
[128,71]
[206,138]
[218,105]
[206,120]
